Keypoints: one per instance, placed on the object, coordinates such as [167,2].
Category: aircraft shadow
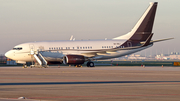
[93,82]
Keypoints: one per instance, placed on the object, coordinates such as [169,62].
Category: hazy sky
[37,20]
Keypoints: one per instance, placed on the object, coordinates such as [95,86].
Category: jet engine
[73,59]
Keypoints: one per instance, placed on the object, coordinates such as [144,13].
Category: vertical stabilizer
[144,26]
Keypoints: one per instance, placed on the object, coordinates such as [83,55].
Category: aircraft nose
[8,54]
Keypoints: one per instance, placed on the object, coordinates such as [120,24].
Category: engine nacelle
[73,59]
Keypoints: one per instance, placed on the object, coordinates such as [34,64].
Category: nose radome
[8,54]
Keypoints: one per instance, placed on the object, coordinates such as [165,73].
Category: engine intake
[73,59]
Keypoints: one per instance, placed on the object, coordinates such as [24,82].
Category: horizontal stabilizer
[152,41]
[161,40]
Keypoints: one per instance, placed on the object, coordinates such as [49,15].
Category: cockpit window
[18,48]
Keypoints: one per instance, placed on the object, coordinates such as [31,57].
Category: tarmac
[107,83]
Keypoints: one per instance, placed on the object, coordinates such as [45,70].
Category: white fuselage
[56,50]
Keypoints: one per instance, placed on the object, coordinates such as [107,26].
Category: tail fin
[143,29]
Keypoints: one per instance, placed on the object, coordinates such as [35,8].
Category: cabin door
[31,47]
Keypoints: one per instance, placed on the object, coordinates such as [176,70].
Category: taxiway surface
[107,83]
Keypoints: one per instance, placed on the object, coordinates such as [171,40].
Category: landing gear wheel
[90,64]
[25,66]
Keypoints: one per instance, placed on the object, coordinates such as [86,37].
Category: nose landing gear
[25,66]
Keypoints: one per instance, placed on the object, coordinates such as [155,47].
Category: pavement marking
[104,96]
[90,82]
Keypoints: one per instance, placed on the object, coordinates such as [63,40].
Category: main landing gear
[90,64]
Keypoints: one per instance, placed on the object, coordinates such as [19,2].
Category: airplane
[78,52]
